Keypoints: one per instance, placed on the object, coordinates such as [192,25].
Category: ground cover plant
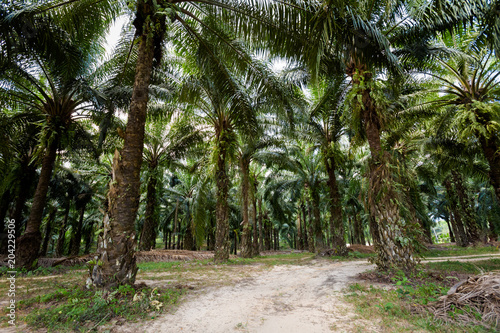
[419,301]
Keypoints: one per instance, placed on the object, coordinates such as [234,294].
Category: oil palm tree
[34,85]
[324,130]
[470,91]
[166,141]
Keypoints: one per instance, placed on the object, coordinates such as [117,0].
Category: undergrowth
[83,310]
[398,309]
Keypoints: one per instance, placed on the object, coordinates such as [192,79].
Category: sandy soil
[286,298]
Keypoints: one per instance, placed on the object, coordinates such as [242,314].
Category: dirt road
[287,298]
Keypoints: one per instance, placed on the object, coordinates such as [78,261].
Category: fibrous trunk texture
[392,237]
[28,245]
[116,246]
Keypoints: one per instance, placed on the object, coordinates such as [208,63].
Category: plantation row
[382,124]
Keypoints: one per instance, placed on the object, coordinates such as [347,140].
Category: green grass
[44,271]
[395,309]
[452,251]
[81,309]
[473,267]
[173,266]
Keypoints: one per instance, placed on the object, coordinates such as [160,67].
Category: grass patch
[44,271]
[472,267]
[451,251]
[81,310]
[399,308]
[393,310]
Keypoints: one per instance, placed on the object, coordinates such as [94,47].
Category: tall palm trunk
[147,241]
[336,222]
[300,242]
[246,236]
[28,245]
[116,246]
[392,241]
[222,241]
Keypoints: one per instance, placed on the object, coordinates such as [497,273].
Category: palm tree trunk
[246,237]
[336,222]
[147,241]
[116,247]
[299,231]
[222,241]
[382,196]
[28,245]
[452,235]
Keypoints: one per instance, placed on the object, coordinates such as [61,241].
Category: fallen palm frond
[473,301]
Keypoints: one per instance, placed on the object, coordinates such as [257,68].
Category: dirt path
[286,298]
